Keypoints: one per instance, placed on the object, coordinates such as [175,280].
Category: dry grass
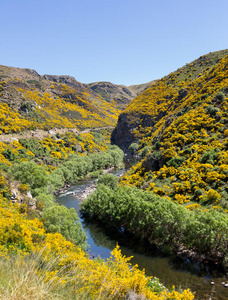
[24,279]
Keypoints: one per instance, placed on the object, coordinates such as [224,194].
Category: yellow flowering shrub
[190,124]
[113,278]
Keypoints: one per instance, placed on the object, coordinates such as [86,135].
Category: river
[182,273]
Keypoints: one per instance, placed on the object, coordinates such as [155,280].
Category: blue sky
[121,41]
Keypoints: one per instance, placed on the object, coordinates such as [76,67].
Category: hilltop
[119,94]
[48,101]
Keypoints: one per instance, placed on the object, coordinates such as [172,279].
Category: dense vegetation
[186,157]
[44,166]
[158,220]
[178,128]
[45,102]
[45,242]
[176,197]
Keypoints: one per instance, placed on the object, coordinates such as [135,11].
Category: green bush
[30,173]
[209,156]
[60,219]
[109,180]
[133,148]
[220,96]
[175,161]
[144,151]
[161,222]
[211,110]
[198,193]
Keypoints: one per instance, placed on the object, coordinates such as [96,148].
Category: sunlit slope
[182,135]
[30,101]
[166,97]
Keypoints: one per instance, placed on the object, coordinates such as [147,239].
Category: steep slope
[183,133]
[121,95]
[162,99]
[29,101]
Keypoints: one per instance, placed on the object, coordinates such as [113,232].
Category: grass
[192,70]
[26,279]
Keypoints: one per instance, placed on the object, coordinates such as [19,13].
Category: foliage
[42,180]
[190,123]
[31,174]
[39,276]
[58,262]
[109,180]
[44,104]
[133,148]
[159,220]
[58,218]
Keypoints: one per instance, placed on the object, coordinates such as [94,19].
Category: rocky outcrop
[123,135]
[64,79]
[18,197]
[32,72]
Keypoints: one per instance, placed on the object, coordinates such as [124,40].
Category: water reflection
[170,270]
[180,272]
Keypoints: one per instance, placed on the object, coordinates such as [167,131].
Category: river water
[171,271]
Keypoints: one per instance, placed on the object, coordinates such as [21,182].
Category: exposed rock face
[18,197]
[65,79]
[153,163]
[32,72]
[123,135]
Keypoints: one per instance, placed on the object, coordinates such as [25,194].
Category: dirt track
[41,134]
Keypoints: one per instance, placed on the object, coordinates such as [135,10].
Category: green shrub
[133,148]
[220,96]
[158,220]
[109,180]
[58,218]
[30,173]
[211,110]
[175,161]
[198,193]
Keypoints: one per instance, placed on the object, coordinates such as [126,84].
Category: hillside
[48,101]
[42,244]
[119,94]
[182,132]
[51,101]
[175,199]
[178,130]
[163,99]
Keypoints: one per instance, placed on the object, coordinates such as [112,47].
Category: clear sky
[121,41]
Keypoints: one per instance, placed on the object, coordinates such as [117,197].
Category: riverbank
[171,270]
[163,223]
[88,190]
